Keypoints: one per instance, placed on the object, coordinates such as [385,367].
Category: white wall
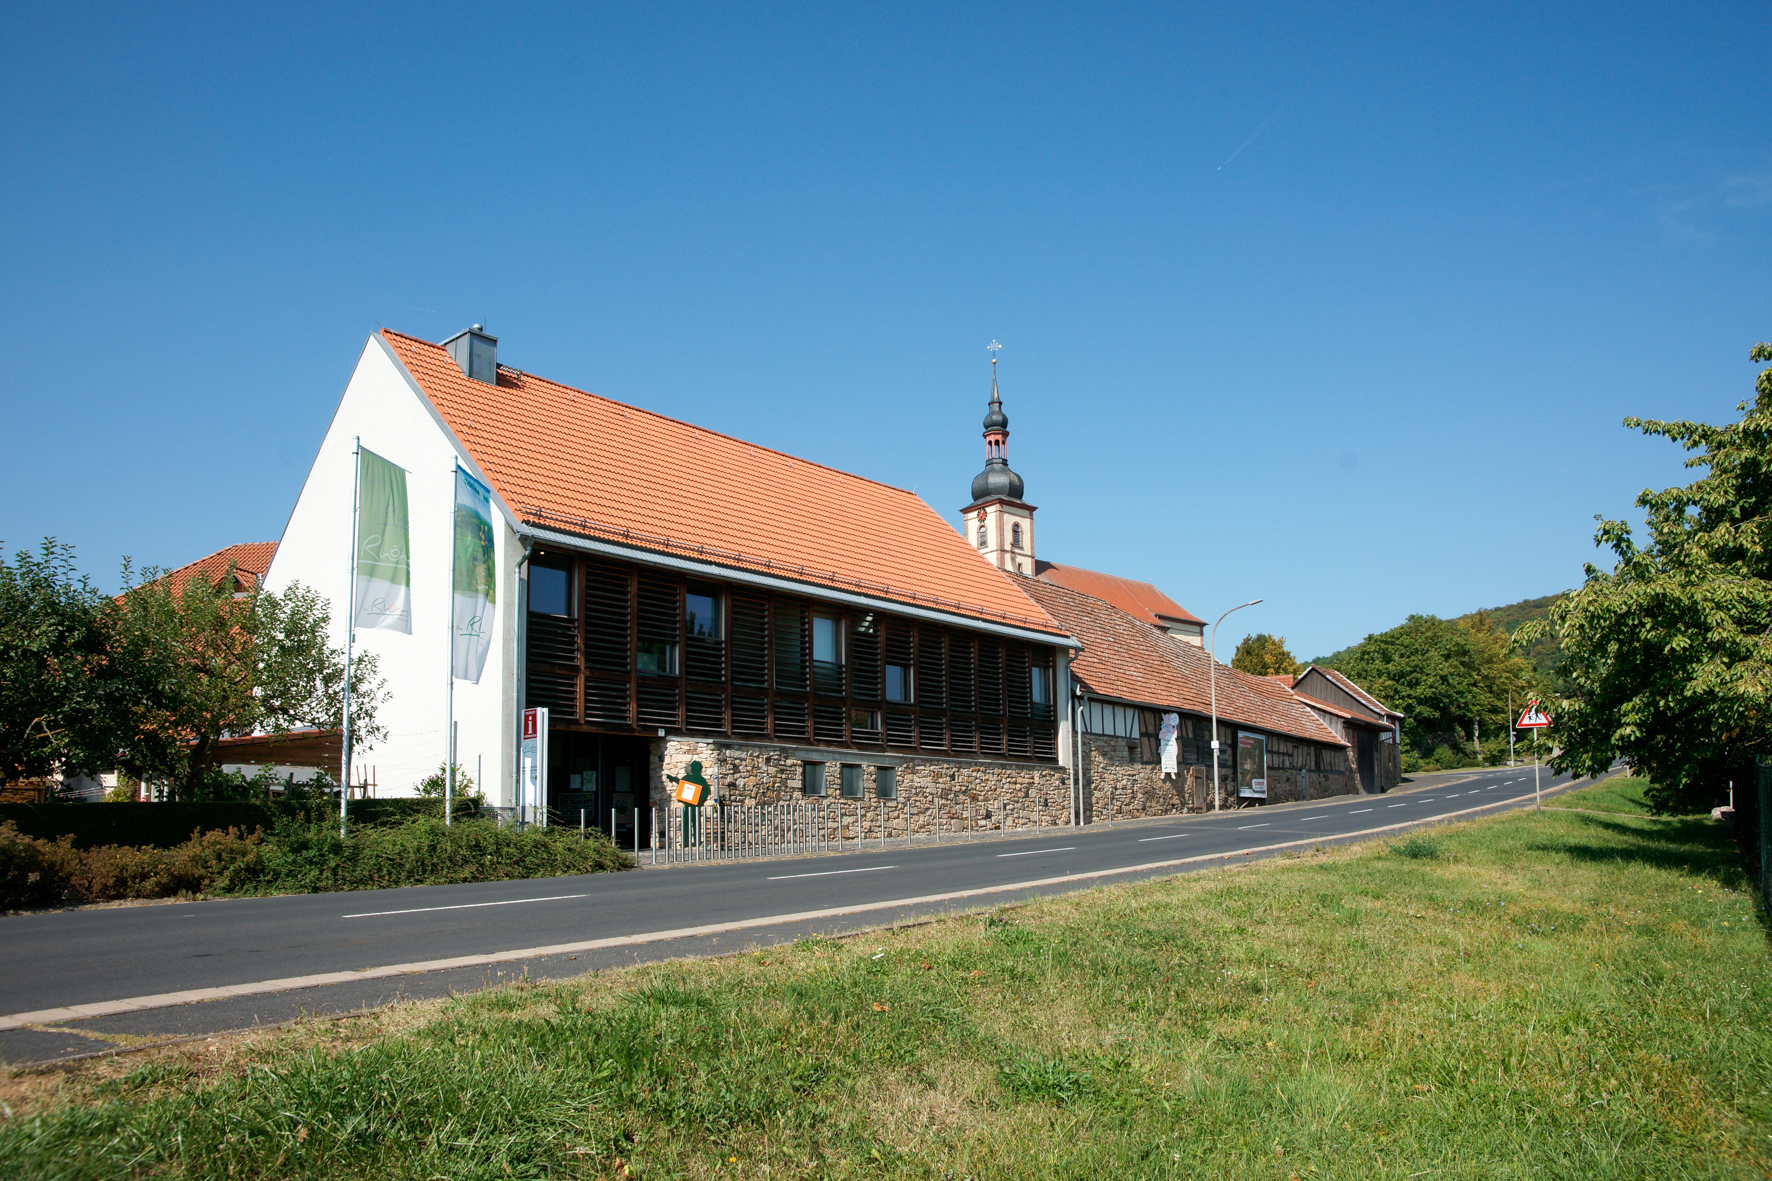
[394,420]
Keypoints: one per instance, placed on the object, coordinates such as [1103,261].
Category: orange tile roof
[1125,658]
[1141,600]
[578,463]
[250,559]
[1285,679]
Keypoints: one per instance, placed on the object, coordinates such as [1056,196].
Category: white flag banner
[1167,743]
[476,579]
[384,568]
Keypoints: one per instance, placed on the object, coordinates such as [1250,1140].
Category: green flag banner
[384,569]
[476,579]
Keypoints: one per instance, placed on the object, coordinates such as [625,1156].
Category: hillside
[1546,655]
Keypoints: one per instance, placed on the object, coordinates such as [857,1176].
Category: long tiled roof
[1141,600]
[574,462]
[1124,658]
[250,560]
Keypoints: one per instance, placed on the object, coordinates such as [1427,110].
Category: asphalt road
[52,960]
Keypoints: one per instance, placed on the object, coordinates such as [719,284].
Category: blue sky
[1338,309]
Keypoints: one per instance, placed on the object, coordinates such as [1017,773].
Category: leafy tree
[204,663]
[1442,675]
[1670,651]
[1264,656]
[434,785]
[57,699]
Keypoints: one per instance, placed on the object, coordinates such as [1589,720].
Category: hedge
[166,826]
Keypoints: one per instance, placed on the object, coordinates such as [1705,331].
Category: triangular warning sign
[1533,718]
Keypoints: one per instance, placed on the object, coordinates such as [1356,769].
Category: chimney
[476,353]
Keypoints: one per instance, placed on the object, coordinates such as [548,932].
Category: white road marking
[1395,805]
[1357,811]
[1031,852]
[164,1000]
[825,873]
[1263,824]
[372,914]
[1170,837]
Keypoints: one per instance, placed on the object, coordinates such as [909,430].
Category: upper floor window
[701,615]
[1015,536]
[827,654]
[898,682]
[1040,685]
[981,535]
[550,590]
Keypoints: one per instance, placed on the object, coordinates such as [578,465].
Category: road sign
[1533,718]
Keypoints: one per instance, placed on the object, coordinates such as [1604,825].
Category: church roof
[1142,600]
[572,461]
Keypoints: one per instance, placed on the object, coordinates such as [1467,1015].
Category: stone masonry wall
[1123,788]
[950,792]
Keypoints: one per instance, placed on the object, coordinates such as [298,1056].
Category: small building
[1372,730]
[1128,675]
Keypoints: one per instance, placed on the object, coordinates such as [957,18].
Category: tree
[1442,675]
[57,700]
[1670,652]
[204,663]
[1264,656]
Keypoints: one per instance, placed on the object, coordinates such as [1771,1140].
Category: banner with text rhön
[384,569]
[476,579]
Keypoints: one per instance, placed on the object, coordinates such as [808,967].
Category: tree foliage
[1669,653]
[152,680]
[1442,675]
[1264,656]
[56,699]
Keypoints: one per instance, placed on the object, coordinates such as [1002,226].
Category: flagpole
[449,731]
[344,783]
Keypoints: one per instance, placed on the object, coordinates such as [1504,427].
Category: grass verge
[1568,995]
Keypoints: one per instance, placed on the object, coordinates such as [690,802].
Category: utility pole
[1212,675]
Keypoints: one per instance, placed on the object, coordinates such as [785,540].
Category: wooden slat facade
[969,692]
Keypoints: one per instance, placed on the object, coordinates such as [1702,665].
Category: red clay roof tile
[1127,659]
[579,463]
[1141,600]
[250,559]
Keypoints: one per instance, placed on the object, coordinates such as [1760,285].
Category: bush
[1417,848]
[298,856]
[1446,757]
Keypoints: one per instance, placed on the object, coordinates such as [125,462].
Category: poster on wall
[1169,744]
[383,567]
[1251,766]
[532,768]
[475,579]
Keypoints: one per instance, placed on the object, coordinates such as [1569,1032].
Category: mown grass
[1560,996]
[1621,793]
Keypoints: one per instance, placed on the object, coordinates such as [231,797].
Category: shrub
[1417,848]
[1446,757]
[33,872]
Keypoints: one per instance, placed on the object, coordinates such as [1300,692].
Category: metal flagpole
[344,782]
[449,617]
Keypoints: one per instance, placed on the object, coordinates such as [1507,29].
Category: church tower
[998,521]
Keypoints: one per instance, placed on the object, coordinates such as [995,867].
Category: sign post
[1535,719]
[534,763]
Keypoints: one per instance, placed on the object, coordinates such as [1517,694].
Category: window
[851,781]
[886,783]
[864,719]
[550,590]
[1015,535]
[981,535]
[827,654]
[1040,686]
[701,615]
[656,658]
[898,682]
[812,778]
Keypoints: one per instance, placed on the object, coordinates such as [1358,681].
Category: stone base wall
[1122,788]
[932,792]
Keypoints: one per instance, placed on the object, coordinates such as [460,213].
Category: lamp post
[1212,673]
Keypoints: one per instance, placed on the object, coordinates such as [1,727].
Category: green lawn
[1571,995]
[1621,793]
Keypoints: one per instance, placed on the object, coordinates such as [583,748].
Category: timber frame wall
[971,692]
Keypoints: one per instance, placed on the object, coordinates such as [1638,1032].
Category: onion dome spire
[996,479]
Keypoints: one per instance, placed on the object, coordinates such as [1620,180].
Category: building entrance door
[591,776]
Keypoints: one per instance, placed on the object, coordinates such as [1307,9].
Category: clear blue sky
[1333,305]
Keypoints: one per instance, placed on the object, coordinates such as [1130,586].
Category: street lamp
[1212,671]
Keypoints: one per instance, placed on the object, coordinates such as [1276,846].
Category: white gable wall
[395,421]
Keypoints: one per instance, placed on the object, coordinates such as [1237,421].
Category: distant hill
[1546,655]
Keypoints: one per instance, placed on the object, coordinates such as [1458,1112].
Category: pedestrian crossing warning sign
[1533,718]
